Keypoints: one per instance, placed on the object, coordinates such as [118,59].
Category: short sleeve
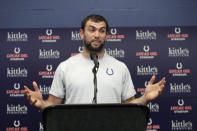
[128,90]
[57,87]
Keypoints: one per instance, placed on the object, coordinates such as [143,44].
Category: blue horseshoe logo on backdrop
[109,71]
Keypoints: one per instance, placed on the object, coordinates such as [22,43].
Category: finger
[26,91]
[33,103]
[35,86]
[161,88]
[152,80]
[26,88]
[29,97]
[162,81]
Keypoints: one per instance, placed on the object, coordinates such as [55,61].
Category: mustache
[96,40]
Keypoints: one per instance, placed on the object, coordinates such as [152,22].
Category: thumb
[35,86]
[152,80]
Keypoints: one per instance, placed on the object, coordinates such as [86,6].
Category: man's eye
[102,31]
[91,30]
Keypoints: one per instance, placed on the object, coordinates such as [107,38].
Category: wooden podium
[96,117]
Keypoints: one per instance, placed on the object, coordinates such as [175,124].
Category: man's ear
[81,34]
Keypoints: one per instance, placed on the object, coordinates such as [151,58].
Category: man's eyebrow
[103,28]
[91,26]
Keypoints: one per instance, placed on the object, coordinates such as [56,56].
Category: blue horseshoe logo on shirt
[109,71]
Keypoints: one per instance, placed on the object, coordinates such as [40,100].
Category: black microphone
[94,57]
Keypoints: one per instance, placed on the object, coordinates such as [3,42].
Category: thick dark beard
[89,47]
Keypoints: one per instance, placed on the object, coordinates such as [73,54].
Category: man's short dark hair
[94,18]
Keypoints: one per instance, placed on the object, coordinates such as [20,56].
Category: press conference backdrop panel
[28,55]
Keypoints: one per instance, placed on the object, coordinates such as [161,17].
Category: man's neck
[86,53]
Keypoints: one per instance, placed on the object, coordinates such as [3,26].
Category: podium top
[96,117]
[108,105]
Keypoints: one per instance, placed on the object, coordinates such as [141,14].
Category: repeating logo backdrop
[28,55]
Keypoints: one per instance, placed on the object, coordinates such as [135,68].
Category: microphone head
[94,57]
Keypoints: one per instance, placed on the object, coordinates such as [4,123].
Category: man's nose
[96,34]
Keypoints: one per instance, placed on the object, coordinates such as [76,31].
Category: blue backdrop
[28,55]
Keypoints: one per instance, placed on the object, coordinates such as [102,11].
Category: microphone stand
[94,70]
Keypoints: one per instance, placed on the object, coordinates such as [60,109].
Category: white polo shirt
[73,81]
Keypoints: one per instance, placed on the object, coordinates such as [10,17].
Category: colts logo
[150,121]
[49,67]
[146,83]
[180,102]
[146,48]
[49,31]
[17,50]
[113,31]
[177,30]
[80,49]
[41,126]
[16,86]
[179,66]
[16,123]
[109,71]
